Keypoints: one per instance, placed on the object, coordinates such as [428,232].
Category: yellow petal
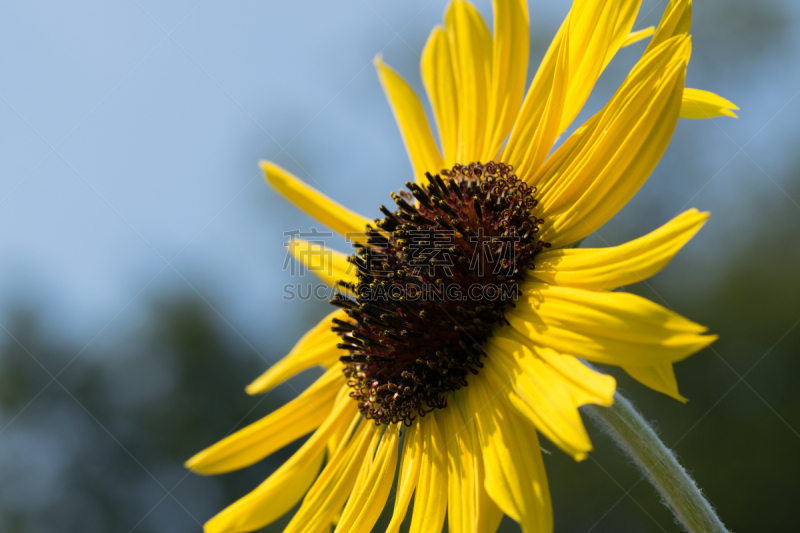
[607,327]
[430,502]
[585,384]
[471,52]
[328,264]
[408,476]
[597,31]
[636,36]
[313,202]
[510,47]
[366,466]
[660,378]
[287,424]
[316,347]
[533,106]
[587,40]
[608,268]
[486,515]
[677,20]
[439,79]
[623,35]
[515,476]
[333,486]
[365,506]
[553,113]
[589,178]
[410,117]
[461,481]
[493,515]
[538,392]
[284,488]
[699,104]
[591,35]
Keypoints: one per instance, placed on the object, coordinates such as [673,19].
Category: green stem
[635,436]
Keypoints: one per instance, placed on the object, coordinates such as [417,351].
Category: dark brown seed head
[434,280]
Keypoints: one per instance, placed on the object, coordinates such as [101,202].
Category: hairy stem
[635,436]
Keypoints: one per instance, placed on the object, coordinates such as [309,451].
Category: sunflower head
[464,312]
[432,284]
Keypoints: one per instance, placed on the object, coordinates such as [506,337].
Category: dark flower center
[434,279]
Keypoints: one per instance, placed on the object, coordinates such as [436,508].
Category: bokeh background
[141,253]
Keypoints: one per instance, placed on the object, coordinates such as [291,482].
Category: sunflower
[455,390]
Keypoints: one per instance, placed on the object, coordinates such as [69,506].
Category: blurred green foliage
[101,448]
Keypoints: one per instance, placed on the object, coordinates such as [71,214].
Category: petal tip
[253,389]
[699,218]
[581,456]
[195,464]
[272,172]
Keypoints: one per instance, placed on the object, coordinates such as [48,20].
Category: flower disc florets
[434,279]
